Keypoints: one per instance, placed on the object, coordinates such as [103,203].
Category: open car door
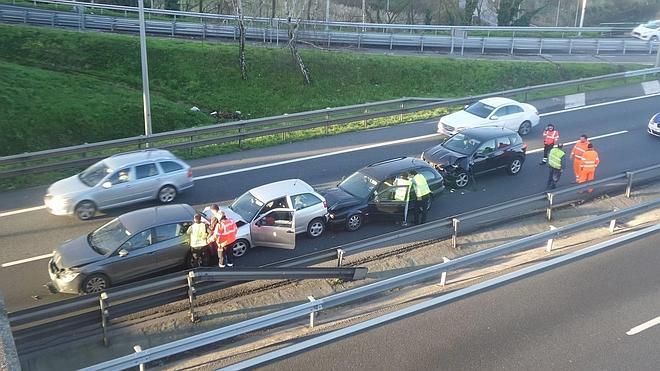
[276,228]
[390,202]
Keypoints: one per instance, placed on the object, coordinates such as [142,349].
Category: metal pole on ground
[584,7]
[145,74]
[8,355]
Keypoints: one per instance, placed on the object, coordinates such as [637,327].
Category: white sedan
[649,31]
[501,112]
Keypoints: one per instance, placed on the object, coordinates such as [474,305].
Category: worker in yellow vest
[422,194]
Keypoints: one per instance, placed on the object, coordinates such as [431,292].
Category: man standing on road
[198,234]
[577,155]
[589,165]
[550,138]
[225,236]
[556,165]
[422,195]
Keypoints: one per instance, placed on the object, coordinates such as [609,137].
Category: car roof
[271,191]
[384,169]
[139,220]
[129,158]
[487,132]
[497,101]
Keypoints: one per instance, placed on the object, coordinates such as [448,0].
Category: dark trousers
[546,150]
[200,256]
[226,254]
[553,177]
[420,209]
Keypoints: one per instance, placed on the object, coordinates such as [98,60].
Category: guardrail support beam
[191,295]
[443,276]
[138,349]
[311,315]
[548,210]
[340,257]
[613,222]
[454,235]
[548,247]
[629,175]
[104,316]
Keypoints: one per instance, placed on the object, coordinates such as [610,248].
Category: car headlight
[59,202]
[68,275]
[331,216]
[421,157]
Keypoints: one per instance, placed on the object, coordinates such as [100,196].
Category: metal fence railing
[273,319]
[51,323]
[452,39]
[75,156]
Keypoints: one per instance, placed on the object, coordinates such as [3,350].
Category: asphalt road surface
[32,235]
[598,313]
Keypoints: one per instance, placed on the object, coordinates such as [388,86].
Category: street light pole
[145,74]
[584,7]
[556,19]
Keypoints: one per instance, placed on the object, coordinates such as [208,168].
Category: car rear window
[304,200]
[170,166]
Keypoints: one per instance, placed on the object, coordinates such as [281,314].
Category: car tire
[240,247]
[525,128]
[514,166]
[316,228]
[85,210]
[354,222]
[166,194]
[462,179]
[95,283]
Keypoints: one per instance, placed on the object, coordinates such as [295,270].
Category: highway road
[28,232]
[599,313]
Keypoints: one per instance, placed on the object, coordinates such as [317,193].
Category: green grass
[61,88]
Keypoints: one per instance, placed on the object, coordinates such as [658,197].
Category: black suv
[370,192]
[475,151]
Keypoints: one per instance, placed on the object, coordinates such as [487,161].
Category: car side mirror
[494,117]
[123,252]
[466,106]
[106,185]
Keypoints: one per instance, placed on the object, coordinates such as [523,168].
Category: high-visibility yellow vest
[402,190]
[198,235]
[421,186]
[554,158]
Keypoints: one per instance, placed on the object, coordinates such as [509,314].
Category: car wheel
[525,128]
[95,283]
[353,222]
[85,210]
[240,247]
[462,179]
[514,167]
[315,228]
[654,39]
[167,194]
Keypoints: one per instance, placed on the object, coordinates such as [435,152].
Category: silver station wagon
[276,204]
[120,180]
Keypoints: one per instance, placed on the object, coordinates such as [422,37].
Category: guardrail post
[173,25]
[327,119]
[454,236]
[403,106]
[548,247]
[104,316]
[613,222]
[191,295]
[629,175]
[340,257]
[443,276]
[364,122]
[548,210]
[311,315]
[138,349]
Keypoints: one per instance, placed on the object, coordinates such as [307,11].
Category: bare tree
[241,39]
[292,28]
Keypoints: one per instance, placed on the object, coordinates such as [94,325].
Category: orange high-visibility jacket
[579,149]
[550,136]
[226,231]
[590,160]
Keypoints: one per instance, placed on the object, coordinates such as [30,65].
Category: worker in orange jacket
[577,154]
[588,165]
[550,138]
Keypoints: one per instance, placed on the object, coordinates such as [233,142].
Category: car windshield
[107,238]
[652,24]
[247,206]
[94,174]
[358,185]
[480,109]
[462,144]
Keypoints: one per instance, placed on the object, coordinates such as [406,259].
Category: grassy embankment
[61,88]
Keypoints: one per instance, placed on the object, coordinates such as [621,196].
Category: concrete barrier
[8,357]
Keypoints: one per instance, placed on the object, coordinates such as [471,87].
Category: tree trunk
[241,39]
[291,32]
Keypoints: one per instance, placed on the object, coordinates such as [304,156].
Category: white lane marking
[45,256]
[20,211]
[316,156]
[651,87]
[574,100]
[592,138]
[644,326]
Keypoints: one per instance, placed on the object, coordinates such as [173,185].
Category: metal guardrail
[302,310]
[452,39]
[245,129]
[40,324]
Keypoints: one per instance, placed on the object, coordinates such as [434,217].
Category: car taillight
[524,147]
[189,173]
